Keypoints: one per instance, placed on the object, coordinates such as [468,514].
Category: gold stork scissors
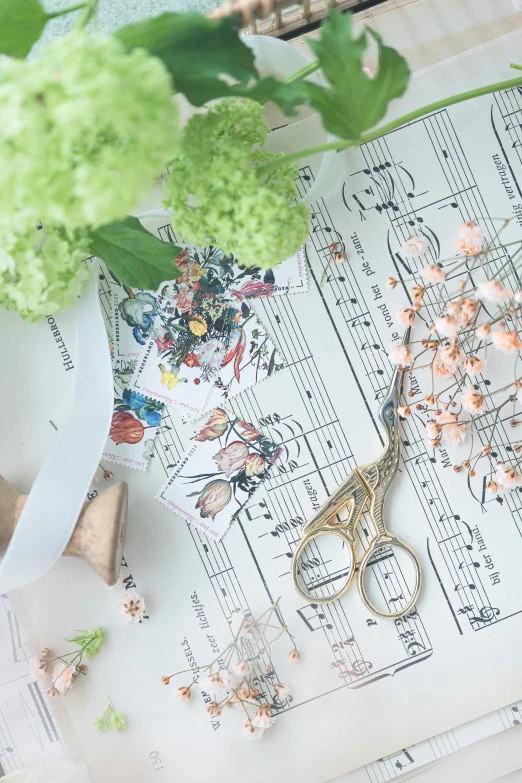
[371,483]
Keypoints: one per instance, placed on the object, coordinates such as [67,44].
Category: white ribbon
[59,491]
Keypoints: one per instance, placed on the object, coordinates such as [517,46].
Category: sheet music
[364,687]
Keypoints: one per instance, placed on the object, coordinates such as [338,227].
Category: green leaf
[137,257]
[355,102]
[89,641]
[197,52]
[21,24]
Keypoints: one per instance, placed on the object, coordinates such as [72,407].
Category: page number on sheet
[154,756]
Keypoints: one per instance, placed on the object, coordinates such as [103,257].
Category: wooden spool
[99,533]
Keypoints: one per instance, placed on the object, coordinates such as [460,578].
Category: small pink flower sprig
[243,675]
[460,327]
[67,667]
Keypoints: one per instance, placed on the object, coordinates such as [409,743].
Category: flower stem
[393,125]
[77,7]
[89,9]
[305,71]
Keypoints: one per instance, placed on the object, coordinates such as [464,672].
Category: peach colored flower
[461,247]
[440,369]
[215,426]
[492,291]
[433,274]
[433,429]
[474,365]
[492,486]
[182,693]
[214,709]
[241,624]
[252,732]
[406,316]
[469,306]
[247,432]
[391,282]
[63,676]
[262,719]
[218,684]
[452,431]
[213,498]
[446,326]
[417,293]
[507,477]
[282,690]
[452,356]
[400,354]
[38,667]
[470,231]
[472,400]
[232,457]
[483,330]
[294,655]
[131,606]
[415,246]
[242,668]
[404,411]
[506,341]
[255,465]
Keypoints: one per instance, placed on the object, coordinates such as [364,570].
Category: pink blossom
[262,719]
[232,457]
[63,676]
[461,247]
[472,400]
[470,231]
[400,354]
[452,431]
[433,274]
[483,330]
[506,341]
[452,356]
[252,732]
[132,607]
[492,291]
[406,316]
[254,288]
[414,246]
[433,429]
[164,343]
[446,326]
[474,365]
[441,370]
[183,300]
[507,477]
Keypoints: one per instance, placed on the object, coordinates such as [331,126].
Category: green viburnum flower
[41,271]
[89,641]
[110,719]
[86,128]
[218,193]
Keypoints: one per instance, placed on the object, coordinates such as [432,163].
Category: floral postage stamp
[205,273]
[218,474]
[210,346]
[135,421]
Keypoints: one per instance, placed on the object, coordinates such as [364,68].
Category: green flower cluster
[40,271]
[86,128]
[90,641]
[110,719]
[218,193]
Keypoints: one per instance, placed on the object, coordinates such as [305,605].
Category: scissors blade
[394,390]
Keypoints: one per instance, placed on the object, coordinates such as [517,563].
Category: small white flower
[282,690]
[218,684]
[492,291]
[251,732]
[470,232]
[507,477]
[38,667]
[415,246]
[63,676]
[446,326]
[262,719]
[242,669]
[132,607]
[240,623]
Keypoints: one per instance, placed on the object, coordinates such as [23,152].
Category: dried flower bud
[430,399]
[486,449]
[391,282]
[466,463]
[182,693]
[492,486]
[294,655]
[255,693]
[483,330]
[453,404]
[52,691]
[457,468]
[43,665]
[518,385]
[46,653]
[165,680]
[107,474]
[404,411]
[417,292]
[213,709]
[432,346]
[262,651]
[419,407]
[230,704]
[472,473]
[411,394]
[339,256]
[268,668]
[82,668]
[438,412]
[435,443]
[517,448]
[416,308]
[513,423]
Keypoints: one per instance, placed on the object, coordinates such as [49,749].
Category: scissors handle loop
[388,539]
[347,538]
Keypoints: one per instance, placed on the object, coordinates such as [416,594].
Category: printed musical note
[314,616]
